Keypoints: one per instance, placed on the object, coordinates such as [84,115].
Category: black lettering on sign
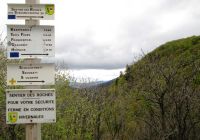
[17,95]
[12,34]
[31,77]
[43,109]
[12,102]
[31,116]
[44,102]
[26,102]
[29,72]
[26,109]
[44,94]
[47,30]
[23,34]
[14,109]
[30,95]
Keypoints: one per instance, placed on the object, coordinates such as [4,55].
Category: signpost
[25,41]
[30,74]
[31,11]
[30,106]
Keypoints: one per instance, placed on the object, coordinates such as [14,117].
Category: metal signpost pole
[33,131]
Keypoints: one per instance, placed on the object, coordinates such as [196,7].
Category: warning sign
[30,106]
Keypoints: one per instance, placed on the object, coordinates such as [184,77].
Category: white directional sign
[30,106]
[30,74]
[31,11]
[30,41]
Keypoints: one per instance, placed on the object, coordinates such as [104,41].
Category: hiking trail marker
[30,74]
[25,41]
[31,11]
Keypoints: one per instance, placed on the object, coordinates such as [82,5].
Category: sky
[98,38]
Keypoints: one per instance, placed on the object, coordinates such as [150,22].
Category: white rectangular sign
[30,74]
[31,11]
[25,41]
[30,106]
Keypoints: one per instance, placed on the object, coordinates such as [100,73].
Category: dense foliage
[156,99]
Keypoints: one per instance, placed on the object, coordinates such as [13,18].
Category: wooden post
[33,131]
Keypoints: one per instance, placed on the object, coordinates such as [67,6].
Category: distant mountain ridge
[86,84]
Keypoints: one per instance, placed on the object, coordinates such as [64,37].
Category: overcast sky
[108,34]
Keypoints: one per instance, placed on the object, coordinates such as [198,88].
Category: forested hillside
[156,99]
[164,90]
